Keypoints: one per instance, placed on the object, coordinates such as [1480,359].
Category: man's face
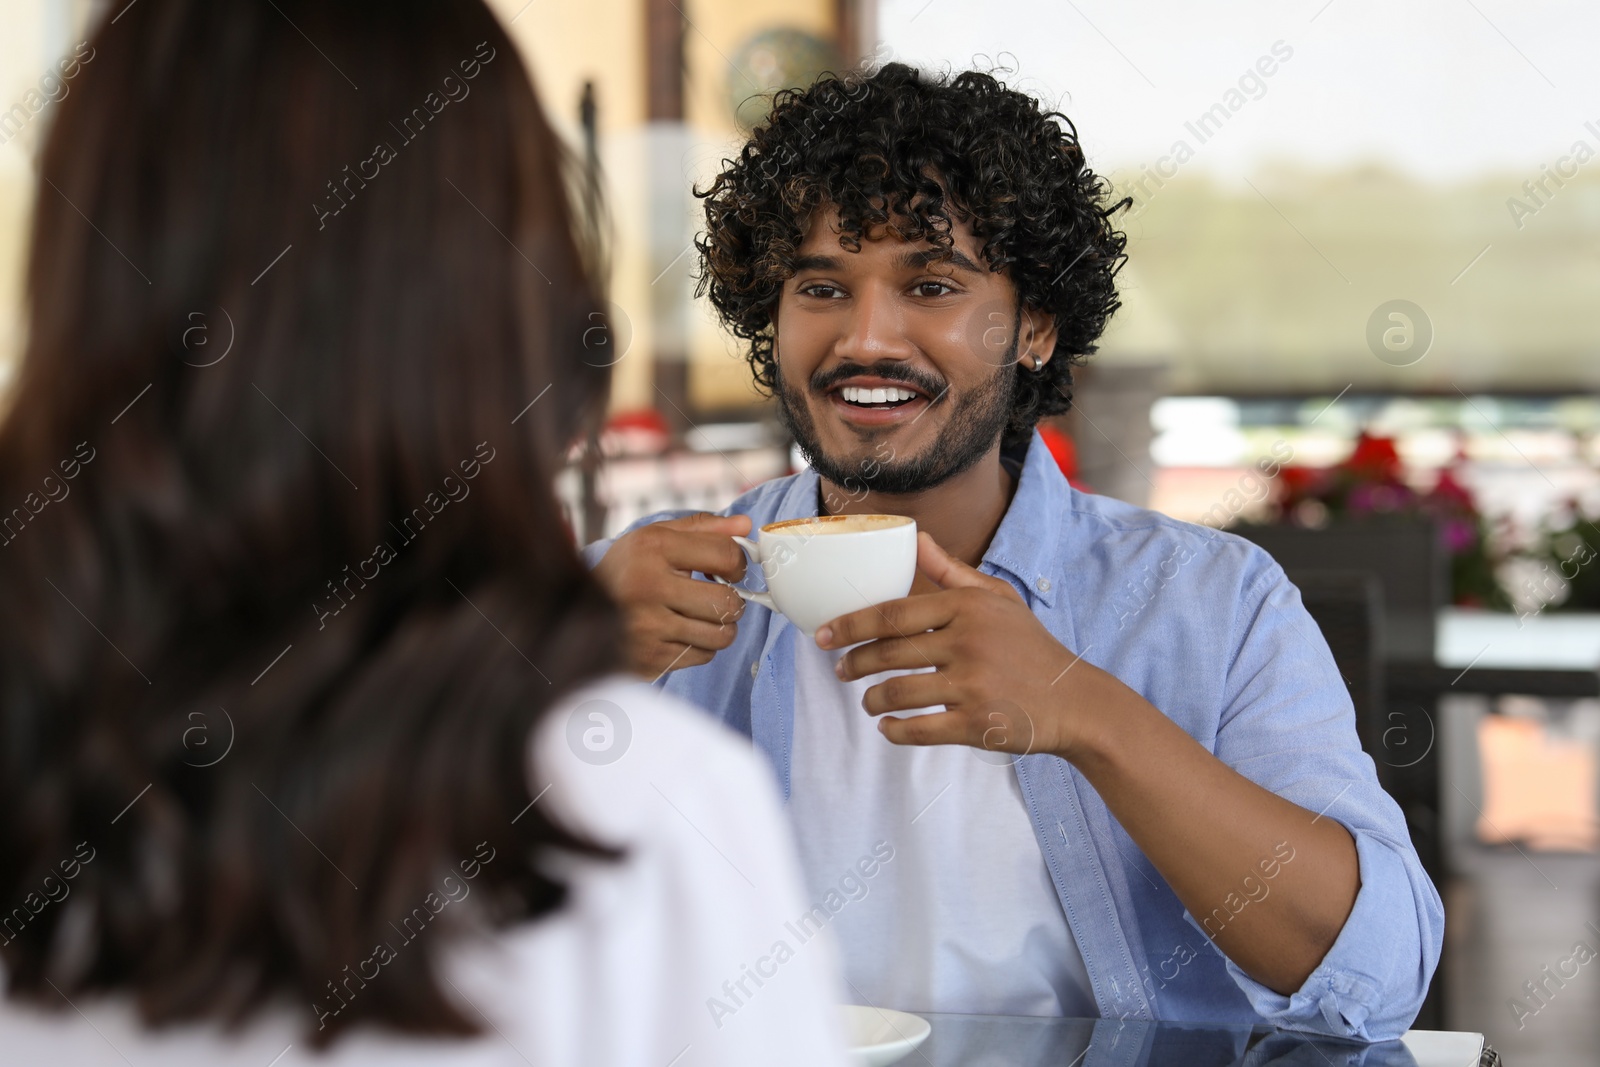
[896,371]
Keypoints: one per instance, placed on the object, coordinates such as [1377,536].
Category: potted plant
[1369,484]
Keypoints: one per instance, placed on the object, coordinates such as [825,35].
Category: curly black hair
[905,149]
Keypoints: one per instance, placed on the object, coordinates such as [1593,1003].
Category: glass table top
[1004,1041]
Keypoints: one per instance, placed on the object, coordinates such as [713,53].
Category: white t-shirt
[667,957]
[959,914]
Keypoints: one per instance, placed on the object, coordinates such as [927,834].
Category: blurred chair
[1401,552]
[1347,606]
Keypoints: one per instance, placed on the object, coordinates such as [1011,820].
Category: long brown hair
[283,585]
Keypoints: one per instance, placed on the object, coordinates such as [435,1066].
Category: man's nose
[875,329]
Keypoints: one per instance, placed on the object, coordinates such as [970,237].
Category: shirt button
[754,668]
[1043,585]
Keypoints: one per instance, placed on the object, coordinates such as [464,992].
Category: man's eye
[825,292]
[923,287]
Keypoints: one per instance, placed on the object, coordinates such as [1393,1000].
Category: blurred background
[1358,327]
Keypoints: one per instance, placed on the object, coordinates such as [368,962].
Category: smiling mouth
[875,407]
[877,399]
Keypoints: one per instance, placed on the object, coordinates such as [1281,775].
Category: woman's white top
[665,959]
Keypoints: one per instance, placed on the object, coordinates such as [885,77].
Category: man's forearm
[1271,882]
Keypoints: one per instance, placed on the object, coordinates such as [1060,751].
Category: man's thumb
[941,566]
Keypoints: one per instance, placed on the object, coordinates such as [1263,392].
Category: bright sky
[1442,89]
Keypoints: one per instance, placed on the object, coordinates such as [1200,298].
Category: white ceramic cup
[820,568]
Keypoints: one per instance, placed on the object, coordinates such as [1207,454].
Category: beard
[977,420]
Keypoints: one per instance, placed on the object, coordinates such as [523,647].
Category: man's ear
[1038,341]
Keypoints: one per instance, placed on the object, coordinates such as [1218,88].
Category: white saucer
[879,1036]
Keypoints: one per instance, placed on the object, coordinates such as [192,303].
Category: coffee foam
[835,524]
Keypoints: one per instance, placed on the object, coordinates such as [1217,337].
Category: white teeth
[857,395]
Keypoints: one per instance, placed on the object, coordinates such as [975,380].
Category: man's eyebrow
[921,258]
[909,260]
[817,263]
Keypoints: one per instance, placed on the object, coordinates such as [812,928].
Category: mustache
[889,370]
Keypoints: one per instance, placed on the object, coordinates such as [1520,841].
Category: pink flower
[1458,534]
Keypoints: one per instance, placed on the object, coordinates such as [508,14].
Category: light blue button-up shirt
[1208,629]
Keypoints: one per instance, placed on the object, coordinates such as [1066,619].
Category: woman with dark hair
[310,719]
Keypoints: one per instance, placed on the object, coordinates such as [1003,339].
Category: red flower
[1449,489]
[1295,485]
[1298,481]
[1375,457]
[1061,450]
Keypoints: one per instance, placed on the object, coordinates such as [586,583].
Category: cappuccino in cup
[820,568]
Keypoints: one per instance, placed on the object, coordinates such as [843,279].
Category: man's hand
[672,619]
[1005,682]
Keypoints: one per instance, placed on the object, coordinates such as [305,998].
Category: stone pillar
[1110,426]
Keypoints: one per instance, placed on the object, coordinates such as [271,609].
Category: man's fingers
[707,552]
[934,728]
[706,522]
[672,620]
[909,692]
[665,626]
[912,652]
[666,657]
[704,635]
[906,617]
[696,599]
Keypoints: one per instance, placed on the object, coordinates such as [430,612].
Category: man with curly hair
[1123,777]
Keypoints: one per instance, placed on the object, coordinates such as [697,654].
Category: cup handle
[754,552]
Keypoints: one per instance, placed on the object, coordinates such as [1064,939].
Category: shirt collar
[1027,544]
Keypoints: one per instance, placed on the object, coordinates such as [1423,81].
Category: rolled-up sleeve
[595,551]
[1289,726]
